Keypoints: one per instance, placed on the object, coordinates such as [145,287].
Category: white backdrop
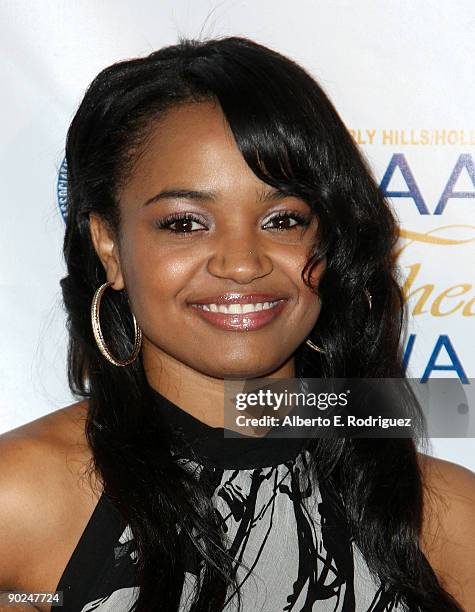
[400,74]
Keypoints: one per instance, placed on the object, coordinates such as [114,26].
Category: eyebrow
[203,196]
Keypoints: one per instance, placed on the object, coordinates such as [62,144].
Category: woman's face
[228,249]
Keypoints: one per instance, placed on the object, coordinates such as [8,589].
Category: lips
[248,321]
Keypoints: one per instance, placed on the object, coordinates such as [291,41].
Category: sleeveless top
[294,551]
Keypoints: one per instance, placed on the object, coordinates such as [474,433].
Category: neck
[195,392]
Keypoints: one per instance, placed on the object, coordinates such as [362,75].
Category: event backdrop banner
[400,74]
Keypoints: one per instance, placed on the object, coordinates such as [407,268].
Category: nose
[240,260]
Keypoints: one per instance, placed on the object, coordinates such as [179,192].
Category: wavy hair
[292,138]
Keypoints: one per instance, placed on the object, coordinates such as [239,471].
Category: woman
[205,175]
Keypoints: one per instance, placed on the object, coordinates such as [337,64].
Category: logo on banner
[62,189]
[426,298]
[398,163]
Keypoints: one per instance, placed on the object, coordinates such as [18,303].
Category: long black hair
[292,138]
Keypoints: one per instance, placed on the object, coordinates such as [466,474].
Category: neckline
[213,449]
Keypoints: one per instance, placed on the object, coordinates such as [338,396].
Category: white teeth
[234,309]
[248,308]
[237,308]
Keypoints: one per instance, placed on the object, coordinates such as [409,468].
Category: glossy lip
[239,298]
[249,321]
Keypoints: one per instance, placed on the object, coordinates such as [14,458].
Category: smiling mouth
[240,317]
[236,309]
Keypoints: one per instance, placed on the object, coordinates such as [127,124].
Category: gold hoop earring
[369,297]
[320,350]
[96,328]
[314,346]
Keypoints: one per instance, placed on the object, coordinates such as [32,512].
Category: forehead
[191,145]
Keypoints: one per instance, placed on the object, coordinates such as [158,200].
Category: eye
[283,219]
[183,221]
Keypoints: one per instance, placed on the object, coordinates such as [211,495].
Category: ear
[106,249]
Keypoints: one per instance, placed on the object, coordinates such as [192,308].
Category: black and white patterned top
[277,521]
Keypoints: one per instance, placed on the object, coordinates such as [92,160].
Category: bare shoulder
[46,442]
[448,533]
[46,488]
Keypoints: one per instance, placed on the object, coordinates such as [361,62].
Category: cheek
[295,267]
[160,280]
[154,277]
[158,284]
